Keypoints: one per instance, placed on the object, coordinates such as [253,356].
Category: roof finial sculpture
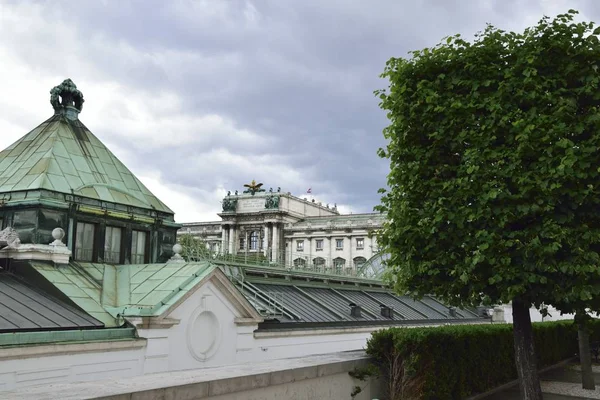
[64,96]
[253,187]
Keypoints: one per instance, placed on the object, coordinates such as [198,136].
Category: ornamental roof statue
[253,187]
[66,95]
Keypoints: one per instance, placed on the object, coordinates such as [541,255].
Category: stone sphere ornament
[177,248]
[177,257]
[58,234]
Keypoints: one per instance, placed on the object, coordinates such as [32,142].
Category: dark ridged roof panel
[329,298]
[299,304]
[392,301]
[24,308]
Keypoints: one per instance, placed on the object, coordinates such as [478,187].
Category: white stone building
[285,229]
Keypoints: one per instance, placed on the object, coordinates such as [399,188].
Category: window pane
[254,241]
[138,247]
[112,245]
[84,242]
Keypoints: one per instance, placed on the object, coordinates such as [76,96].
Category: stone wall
[316,377]
[70,362]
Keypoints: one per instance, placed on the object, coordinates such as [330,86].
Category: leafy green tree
[193,248]
[494,188]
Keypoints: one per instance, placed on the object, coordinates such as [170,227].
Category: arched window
[339,262]
[254,240]
[359,261]
[299,262]
[319,261]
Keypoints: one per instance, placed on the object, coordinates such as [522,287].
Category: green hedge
[455,362]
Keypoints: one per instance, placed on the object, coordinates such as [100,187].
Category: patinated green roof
[62,155]
[83,291]
[106,291]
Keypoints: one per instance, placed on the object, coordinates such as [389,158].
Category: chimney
[354,310]
[387,312]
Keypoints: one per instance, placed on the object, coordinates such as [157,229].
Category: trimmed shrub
[455,362]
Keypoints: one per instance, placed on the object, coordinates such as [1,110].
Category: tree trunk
[585,357]
[525,360]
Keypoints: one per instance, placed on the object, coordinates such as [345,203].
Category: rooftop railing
[281,260]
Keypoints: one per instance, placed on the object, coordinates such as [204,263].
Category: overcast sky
[199,97]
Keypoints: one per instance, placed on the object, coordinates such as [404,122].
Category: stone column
[331,252]
[309,243]
[246,244]
[231,238]
[350,260]
[223,239]
[275,249]
[266,248]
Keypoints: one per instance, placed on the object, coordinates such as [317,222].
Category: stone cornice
[40,252]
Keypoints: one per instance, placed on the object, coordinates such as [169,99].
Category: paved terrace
[563,383]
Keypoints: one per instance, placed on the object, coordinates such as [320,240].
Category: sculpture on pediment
[229,204]
[253,187]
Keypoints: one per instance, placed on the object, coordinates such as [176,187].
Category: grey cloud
[300,75]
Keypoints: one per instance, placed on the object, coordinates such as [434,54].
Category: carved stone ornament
[64,95]
[58,234]
[177,249]
[9,237]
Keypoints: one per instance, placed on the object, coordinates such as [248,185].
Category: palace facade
[286,229]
